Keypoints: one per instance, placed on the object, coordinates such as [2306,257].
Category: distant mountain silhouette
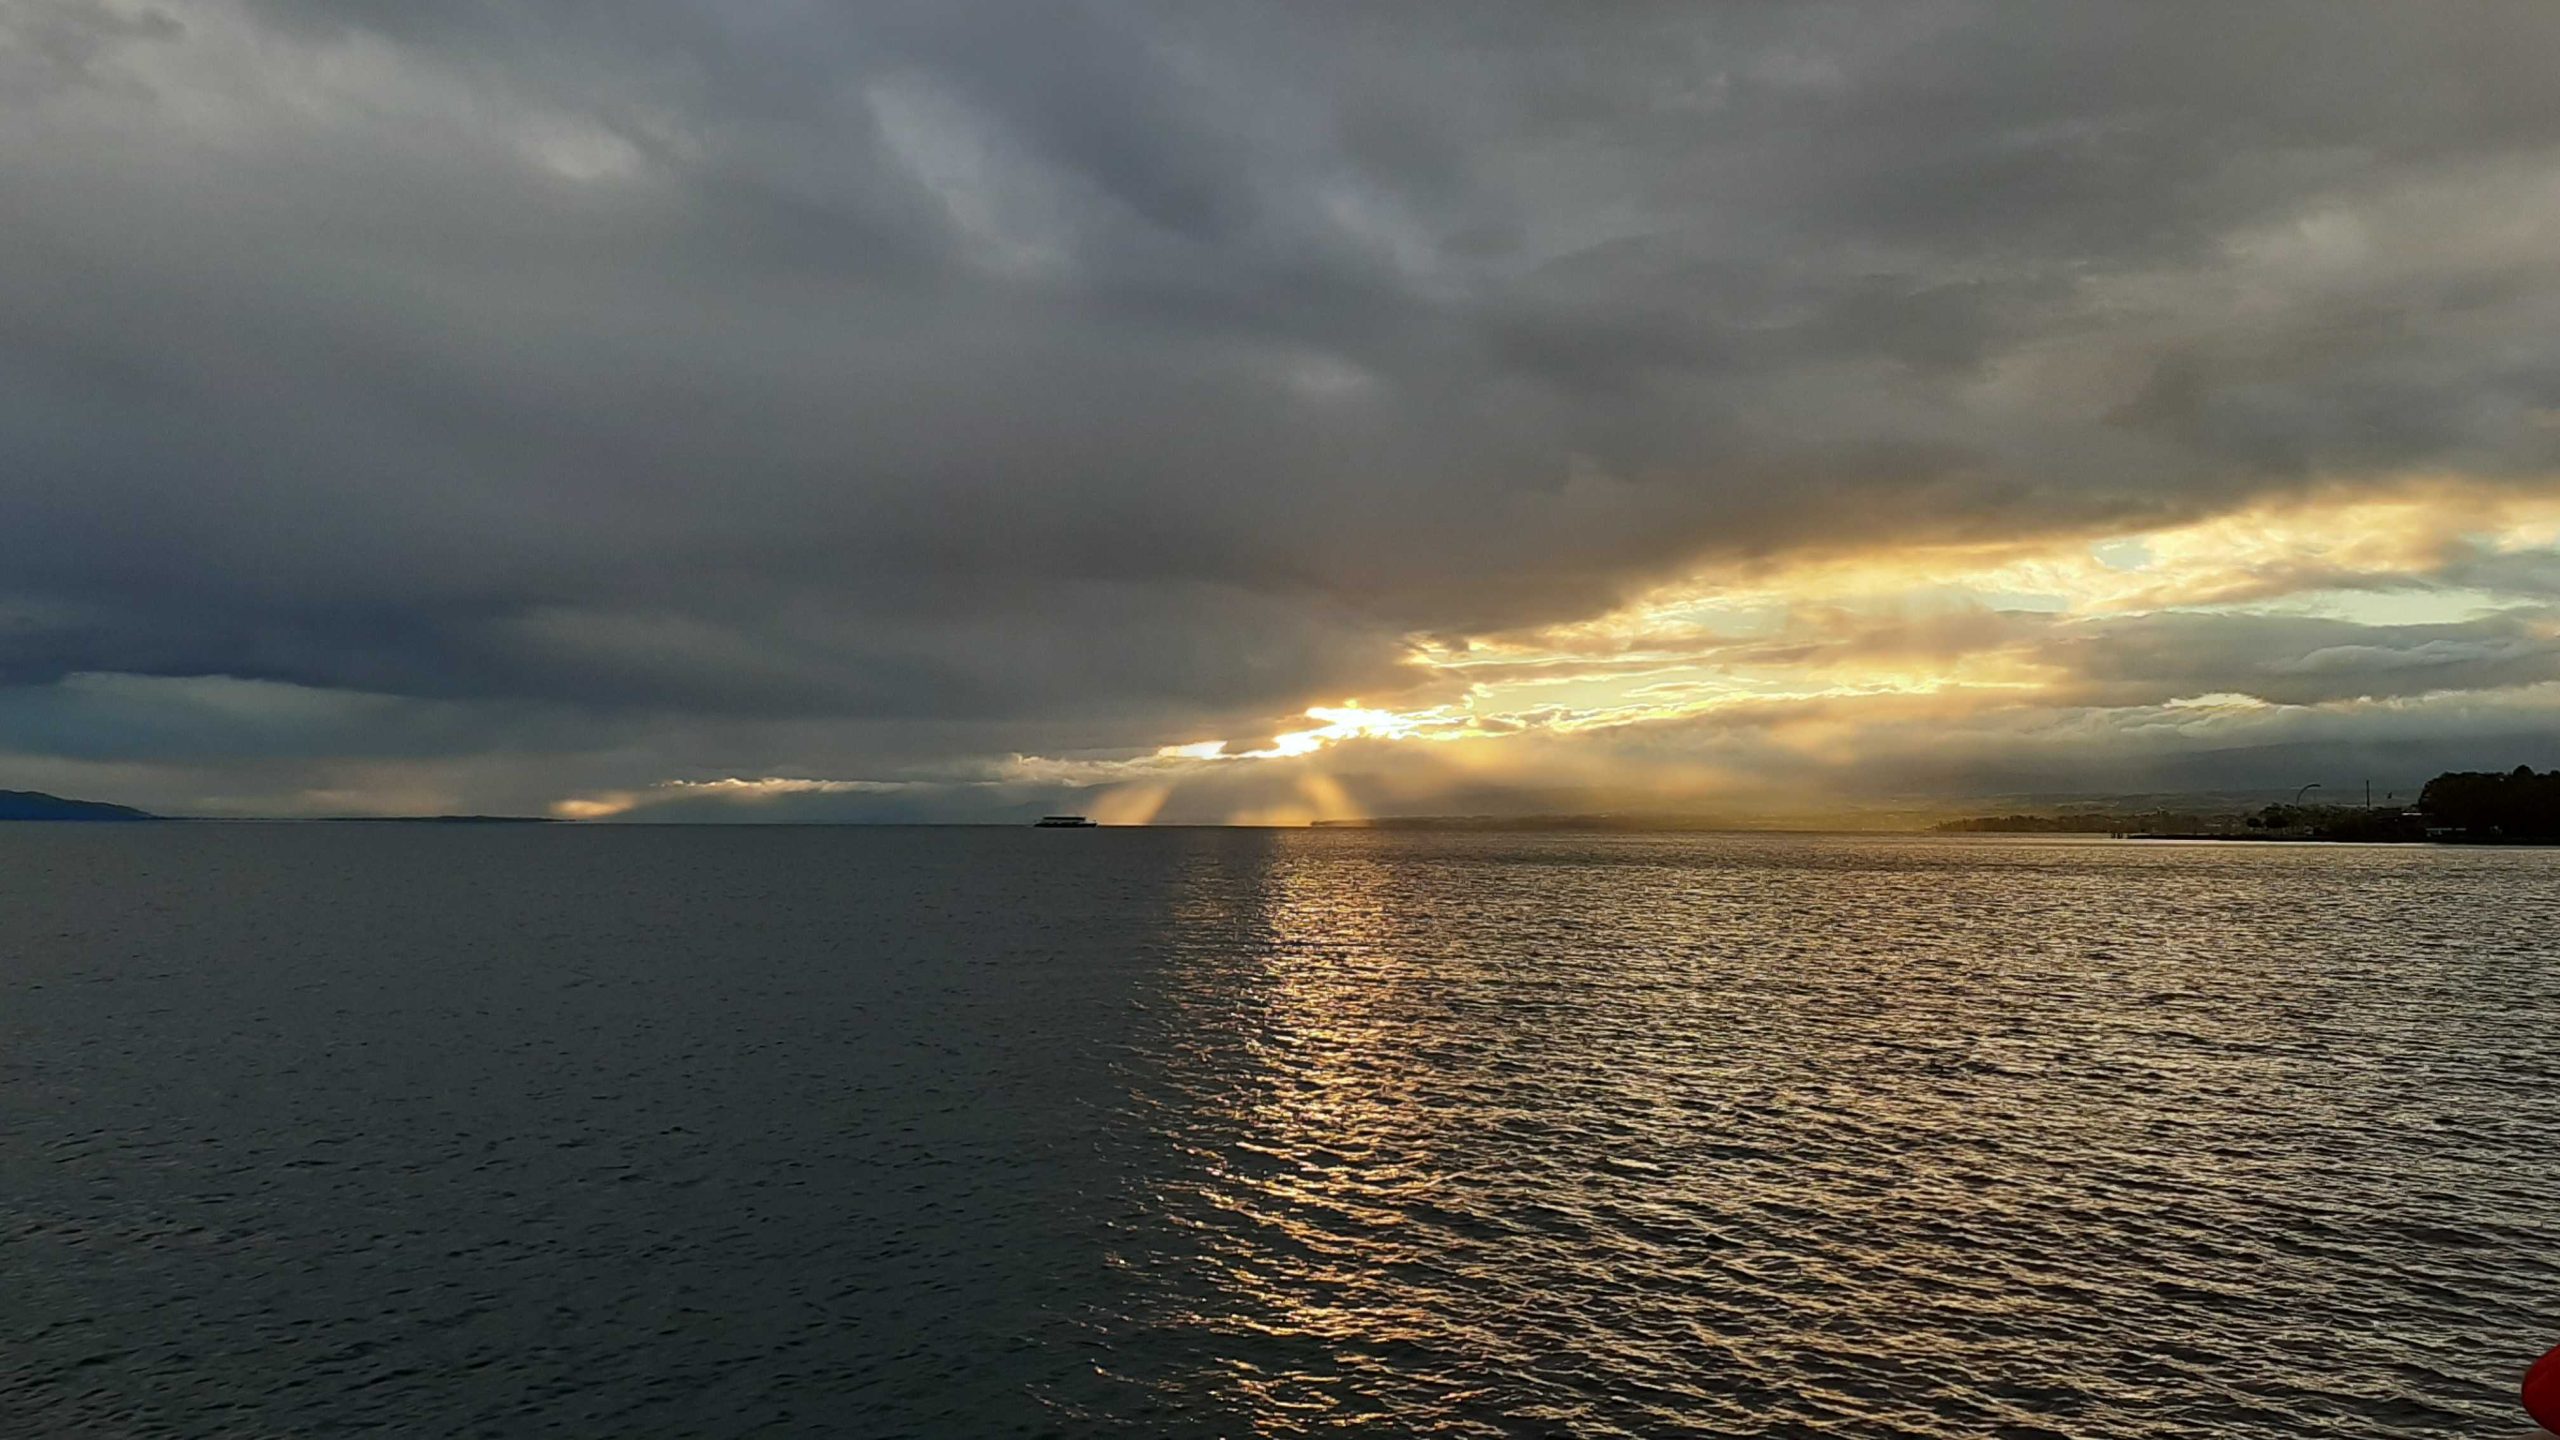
[36,805]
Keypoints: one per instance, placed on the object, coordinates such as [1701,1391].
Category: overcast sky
[703,408]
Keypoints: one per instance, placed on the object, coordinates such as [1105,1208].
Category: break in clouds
[942,410]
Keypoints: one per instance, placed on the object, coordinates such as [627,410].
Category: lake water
[493,1131]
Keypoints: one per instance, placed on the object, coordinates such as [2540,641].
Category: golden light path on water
[1631,1136]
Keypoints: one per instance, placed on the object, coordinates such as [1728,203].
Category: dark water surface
[467,1131]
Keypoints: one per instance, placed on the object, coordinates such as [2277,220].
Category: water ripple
[937,1133]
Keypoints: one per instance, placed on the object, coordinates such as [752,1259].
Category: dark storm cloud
[1083,374]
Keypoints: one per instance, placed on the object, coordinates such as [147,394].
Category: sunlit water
[451,1131]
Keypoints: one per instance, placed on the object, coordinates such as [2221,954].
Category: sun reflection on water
[1473,1135]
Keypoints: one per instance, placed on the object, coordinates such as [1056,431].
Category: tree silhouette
[2485,805]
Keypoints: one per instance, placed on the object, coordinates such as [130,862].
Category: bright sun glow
[1347,721]
[1810,655]
[1975,626]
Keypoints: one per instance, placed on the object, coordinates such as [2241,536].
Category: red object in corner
[2542,1391]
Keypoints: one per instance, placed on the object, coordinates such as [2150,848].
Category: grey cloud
[1051,373]
[2298,660]
[2135,661]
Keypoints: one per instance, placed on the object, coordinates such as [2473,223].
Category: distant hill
[36,805]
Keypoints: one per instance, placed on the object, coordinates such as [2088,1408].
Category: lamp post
[2305,790]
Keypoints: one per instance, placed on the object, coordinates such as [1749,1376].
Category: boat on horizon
[1062,822]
